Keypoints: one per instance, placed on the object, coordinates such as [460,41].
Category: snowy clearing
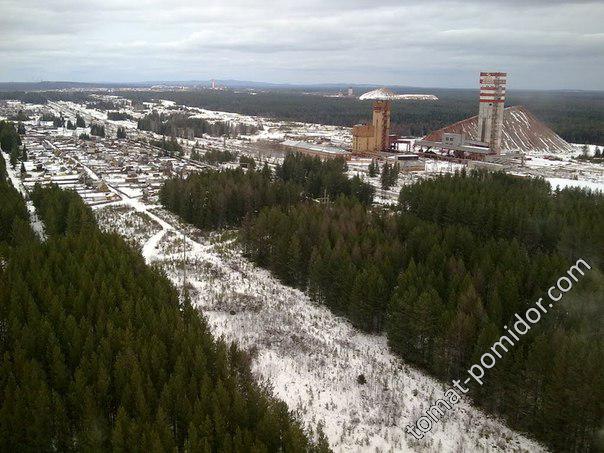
[310,358]
[562,183]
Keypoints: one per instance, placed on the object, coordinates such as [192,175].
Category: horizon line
[284,84]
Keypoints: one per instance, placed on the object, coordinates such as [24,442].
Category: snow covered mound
[521,131]
[384,94]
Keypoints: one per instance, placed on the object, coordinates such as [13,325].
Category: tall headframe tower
[375,137]
[381,124]
[490,111]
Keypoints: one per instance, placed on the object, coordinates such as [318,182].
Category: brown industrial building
[375,137]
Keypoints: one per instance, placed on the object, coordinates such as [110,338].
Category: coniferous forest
[99,353]
[182,125]
[575,115]
[10,141]
[441,275]
[14,227]
[224,198]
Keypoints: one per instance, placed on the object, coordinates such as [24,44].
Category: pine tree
[322,441]
[386,178]
[373,169]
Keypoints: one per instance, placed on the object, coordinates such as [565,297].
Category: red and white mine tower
[490,111]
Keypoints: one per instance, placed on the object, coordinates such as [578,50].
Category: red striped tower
[490,111]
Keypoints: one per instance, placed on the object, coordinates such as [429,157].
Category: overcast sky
[439,43]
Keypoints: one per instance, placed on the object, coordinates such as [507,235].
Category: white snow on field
[140,227]
[440,166]
[591,149]
[310,357]
[561,183]
[540,162]
[130,191]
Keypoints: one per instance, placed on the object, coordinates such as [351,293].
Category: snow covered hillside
[310,358]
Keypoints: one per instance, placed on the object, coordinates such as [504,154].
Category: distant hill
[47,85]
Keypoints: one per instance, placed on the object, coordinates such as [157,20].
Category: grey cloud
[411,42]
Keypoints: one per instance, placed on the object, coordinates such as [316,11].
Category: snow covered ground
[36,223]
[561,183]
[565,172]
[310,358]
[433,168]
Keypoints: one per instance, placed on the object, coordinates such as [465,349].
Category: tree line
[97,129]
[171,147]
[119,116]
[220,199]
[577,117]
[598,156]
[100,353]
[213,156]
[445,273]
[224,198]
[185,126]
[323,178]
[504,206]
[13,213]
[10,142]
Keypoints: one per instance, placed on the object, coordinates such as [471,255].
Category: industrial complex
[494,133]
[497,138]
